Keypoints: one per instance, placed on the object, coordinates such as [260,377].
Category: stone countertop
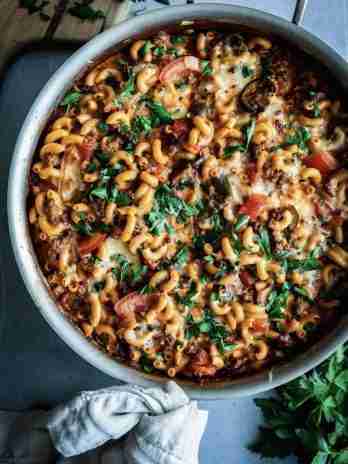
[36,367]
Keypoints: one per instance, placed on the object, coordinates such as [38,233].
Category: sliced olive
[278,68]
[295,216]
[255,96]
[222,185]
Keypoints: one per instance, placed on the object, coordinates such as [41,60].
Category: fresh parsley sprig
[308,416]
[248,131]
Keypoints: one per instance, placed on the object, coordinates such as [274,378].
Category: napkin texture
[159,425]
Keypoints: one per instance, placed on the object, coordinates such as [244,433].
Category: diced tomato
[179,128]
[87,148]
[129,305]
[260,325]
[323,161]
[89,244]
[175,69]
[201,364]
[254,205]
[246,278]
[192,148]
[251,171]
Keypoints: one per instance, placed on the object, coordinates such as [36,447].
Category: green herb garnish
[300,138]
[146,364]
[182,256]
[211,327]
[265,243]
[71,99]
[242,221]
[248,131]
[84,10]
[246,71]
[277,301]
[308,416]
[207,70]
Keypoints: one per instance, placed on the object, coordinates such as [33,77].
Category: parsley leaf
[124,271]
[128,89]
[248,131]
[84,10]
[216,331]
[164,117]
[145,48]
[207,70]
[242,221]
[71,99]
[246,71]
[146,364]
[181,257]
[277,301]
[265,243]
[177,39]
[300,138]
[168,204]
[307,417]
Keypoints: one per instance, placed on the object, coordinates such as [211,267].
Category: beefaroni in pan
[187,203]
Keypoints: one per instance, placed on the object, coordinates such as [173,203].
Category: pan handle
[299,12]
[122,10]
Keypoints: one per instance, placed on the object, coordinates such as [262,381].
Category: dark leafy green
[84,10]
[210,326]
[248,131]
[71,99]
[308,416]
[207,70]
[168,204]
[124,271]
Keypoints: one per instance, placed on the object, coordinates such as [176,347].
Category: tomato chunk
[87,148]
[323,161]
[179,128]
[129,305]
[246,278]
[89,244]
[253,206]
[178,67]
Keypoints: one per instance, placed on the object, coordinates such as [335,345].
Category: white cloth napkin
[163,427]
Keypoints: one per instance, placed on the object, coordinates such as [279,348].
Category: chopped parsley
[210,326]
[265,243]
[159,51]
[248,131]
[316,110]
[83,228]
[84,10]
[103,127]
[246,71]
[177,39]
[190,298]
[168,204]
[277,301]
[242,221]
[159,114]
[98,286]
[300,137]
[146,364]
[71,99]
[128,89]
[181,257]
[207,70]
[145,48]
[124,271]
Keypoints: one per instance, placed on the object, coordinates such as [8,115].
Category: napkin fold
[160,425]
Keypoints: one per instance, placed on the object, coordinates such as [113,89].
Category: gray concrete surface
[36,367]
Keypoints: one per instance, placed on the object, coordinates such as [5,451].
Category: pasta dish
[187,203]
